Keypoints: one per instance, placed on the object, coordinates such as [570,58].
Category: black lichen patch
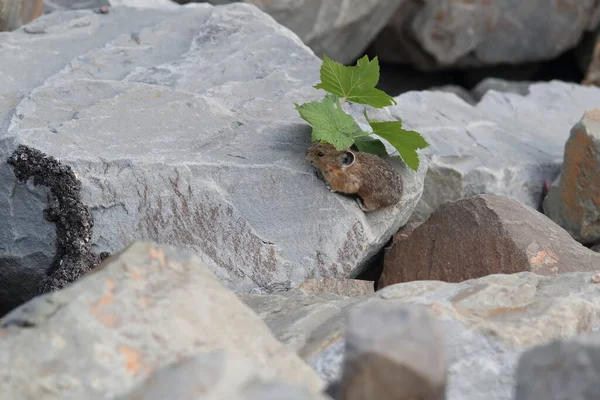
[74,222]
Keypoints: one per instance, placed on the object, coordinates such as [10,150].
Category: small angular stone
[574,198]
[342,287]
[484,235]
[393,352]
[560,370]
[499,85]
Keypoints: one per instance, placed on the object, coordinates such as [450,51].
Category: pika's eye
[320,154]
[347,158]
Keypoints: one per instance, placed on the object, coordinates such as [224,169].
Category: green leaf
[329,122]
[369,144]
[355,83]
[406,142]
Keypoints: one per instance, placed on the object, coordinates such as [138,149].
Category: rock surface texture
[508,144]
[343,287]
[143,309]
[61,5]
[443,33]
[215,376]
[340,29]
[562,369]
[487,323]
[574,198]
[180,125]
[484,235]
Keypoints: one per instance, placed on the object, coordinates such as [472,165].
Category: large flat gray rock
[508,144]
[180,124]
[143,311]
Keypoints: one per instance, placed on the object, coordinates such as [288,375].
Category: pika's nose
[309,149]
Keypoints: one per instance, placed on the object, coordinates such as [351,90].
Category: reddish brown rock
[483,235]
[14,13]
[574,198]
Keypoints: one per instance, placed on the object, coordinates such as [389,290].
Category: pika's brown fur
[377,184]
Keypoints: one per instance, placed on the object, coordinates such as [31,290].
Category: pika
[376,182]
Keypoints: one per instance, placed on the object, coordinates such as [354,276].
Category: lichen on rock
[74,222]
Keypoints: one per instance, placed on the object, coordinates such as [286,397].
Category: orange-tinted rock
[483,235]
[14,13]
[574,198]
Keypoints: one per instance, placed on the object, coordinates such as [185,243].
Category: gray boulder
[444,33]
[508,144]
[142,310]
[340,29]
[180,124]
[560,370]
[487,323]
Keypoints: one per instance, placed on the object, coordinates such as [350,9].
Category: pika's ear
[347,158]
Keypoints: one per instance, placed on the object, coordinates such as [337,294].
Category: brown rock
[341,287]
[393,352]
[483,235]
[15,13]
[574,198]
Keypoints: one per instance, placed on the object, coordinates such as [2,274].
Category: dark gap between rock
[374,267]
